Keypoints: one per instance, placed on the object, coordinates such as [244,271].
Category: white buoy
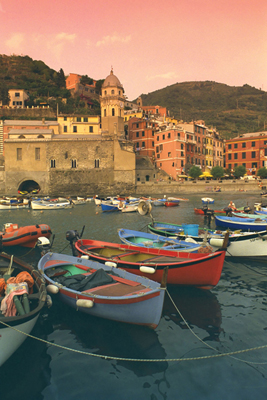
[216,242]
[84,303]
[147,270]
[52,289]
[85,257]
[111,264]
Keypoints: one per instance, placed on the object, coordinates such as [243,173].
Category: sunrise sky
[150,44]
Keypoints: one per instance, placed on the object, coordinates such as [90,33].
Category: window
[235,156]
[169,135]
[137,145]
[97,163]
[253,144]
[244,155]
[157,138]
[105,112]
[65,118]
[244,144]
[52,163]
[254,165]
[169,154]
[85,119]
[235,145]
[153,144]
[65,128]
[91,129]
[137,134]
[79,119]
[113,112]
[143,133]
[143,144]
[73,164]
[163,137]
[37,153]
[229,156]
[17,94]
[112,91]
[19,154]
[74,128]
[229,146]
[253,154]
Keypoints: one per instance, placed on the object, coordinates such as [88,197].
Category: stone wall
[34,113]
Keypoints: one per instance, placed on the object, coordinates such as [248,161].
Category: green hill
[231,109]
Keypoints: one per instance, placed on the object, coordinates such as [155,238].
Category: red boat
[171,203]
[25,236]
[200,211]
[186,269]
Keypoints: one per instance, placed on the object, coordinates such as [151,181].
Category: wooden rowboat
[103,291]
[185,269]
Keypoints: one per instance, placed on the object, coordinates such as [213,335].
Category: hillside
[42,83]
[231,109]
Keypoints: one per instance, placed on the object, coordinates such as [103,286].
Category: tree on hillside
[217,172]
[61,80]
[4,95]
[240,171]
[85,80]
[195,172]
[262,172]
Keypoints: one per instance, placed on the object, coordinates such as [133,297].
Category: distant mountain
[231,109]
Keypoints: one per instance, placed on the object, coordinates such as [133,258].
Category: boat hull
[245,224]
[142,304]
[185,269]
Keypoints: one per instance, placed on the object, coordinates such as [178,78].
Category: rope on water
[105,357]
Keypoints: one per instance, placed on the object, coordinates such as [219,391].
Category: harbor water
[210,344]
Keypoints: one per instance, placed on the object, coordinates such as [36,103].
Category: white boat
[14,328]
[130,207]
[78,201]
[50,205]
[13,206]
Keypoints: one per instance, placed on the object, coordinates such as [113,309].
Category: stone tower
[112,106]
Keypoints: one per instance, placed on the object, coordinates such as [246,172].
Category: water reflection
[198,307]
[112,339]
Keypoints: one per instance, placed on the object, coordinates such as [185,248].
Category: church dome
[112,80]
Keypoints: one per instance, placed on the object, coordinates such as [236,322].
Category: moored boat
[50,205]
[185,268]
[18,319]
[143,239]
[245,224]
[240,244]
[26,236]
[103,291]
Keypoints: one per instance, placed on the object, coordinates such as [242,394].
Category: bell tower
[112,106]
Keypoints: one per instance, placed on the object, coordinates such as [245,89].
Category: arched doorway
[29,186]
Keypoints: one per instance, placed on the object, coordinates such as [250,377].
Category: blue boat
[244,224]
[143,239]
[262,212]
[109,207]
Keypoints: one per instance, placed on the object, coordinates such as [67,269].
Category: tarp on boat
[85,282]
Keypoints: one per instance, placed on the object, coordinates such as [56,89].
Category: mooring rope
[106,357]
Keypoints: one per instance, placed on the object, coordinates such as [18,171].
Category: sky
[150,44]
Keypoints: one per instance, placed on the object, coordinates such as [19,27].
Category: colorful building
[249,150]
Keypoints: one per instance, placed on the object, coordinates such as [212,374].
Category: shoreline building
[74,155]
[249,150]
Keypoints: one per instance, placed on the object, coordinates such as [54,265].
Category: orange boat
[25,236]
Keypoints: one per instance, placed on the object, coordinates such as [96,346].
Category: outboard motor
[247,210]
[43,244]
[72,236]
[205,209]
[228,211]
[209,214]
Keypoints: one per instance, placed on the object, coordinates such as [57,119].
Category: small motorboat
[50,204]
[240,244]
[207,200]
[18,281]
[25,236]
[244,224]
[107,206]
[159,202]
[171,203]
[102,290]
[185,268]
[143,239]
